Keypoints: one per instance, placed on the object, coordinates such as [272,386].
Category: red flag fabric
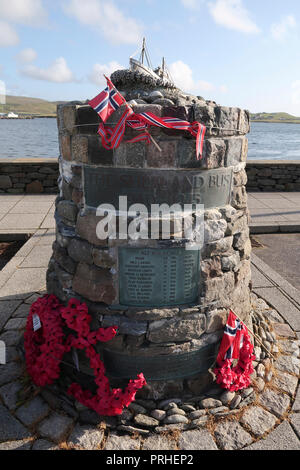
[108,101]
[232,340]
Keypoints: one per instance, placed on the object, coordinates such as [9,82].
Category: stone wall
[87,268]
[40,175]
[273,175]
[29,176]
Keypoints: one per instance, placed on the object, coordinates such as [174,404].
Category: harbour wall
[39,175]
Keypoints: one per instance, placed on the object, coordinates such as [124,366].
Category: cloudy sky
[237,52]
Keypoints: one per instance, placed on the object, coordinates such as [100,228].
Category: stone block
[80,251]
[80,148]
[164,331]
[214,153]
[5,182]
[94,283]
[164,159]
[97,154]
[67,210]
[86,228]
[35,187]
[65,147]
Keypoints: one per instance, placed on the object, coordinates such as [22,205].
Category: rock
[227,397]
[219,410]
[199,422]
[260,371]
[175,419]
[210,403]
[85,437]
[157,442]
[276,402]
[80,251]
[158,414]
[188,408]
[55,427]
[196,440]
[235,402]
[11,428]
[259,420]
[145,421]
[5,182]
[163,102]
[284,330]
[133,429]
[286,382]
[43,444]
[34,188]
[289,364]
[94,283]
[260,384]
[162,404]
[33,411]
[137,409]
[246,392]
[16,445]
[163,331]
[116,443]
[154,95]
[197,414]
[175,411]
[231,436]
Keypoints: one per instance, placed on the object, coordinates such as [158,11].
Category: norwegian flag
[108,101]
[232,340]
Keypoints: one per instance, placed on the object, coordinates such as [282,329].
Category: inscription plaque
[168,367]
[153,277]
[209,187]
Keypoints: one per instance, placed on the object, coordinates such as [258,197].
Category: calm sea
[37,138]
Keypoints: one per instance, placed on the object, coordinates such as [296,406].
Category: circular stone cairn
[170,304]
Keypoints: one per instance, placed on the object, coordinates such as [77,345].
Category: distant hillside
[274,117]
[33,106]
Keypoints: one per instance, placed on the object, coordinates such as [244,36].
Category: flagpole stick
[154,142]
[256,337]
[128,106]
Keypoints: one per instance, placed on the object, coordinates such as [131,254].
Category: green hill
[31,106]
[274,117]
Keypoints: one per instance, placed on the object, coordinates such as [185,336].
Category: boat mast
[143,50]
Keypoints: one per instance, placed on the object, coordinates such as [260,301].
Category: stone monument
[170,303]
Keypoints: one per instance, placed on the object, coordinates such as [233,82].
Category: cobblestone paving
[41,420]
[266,417]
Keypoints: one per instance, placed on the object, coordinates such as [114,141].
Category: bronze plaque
[150,186]
[153,277]
[167,367]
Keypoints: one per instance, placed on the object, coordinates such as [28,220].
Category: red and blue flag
[108,101]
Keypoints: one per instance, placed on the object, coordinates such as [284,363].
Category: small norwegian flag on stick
[235,344]
[108,101]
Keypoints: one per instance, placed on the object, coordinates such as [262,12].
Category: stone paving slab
[283,438]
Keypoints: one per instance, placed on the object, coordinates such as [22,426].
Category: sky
[243,53]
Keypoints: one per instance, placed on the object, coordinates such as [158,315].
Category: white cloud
[30,12]
[233,15]
[8,36]
[57,72]
[27,55]
[182,75]
[96,76]
[107,18]
[280,30]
